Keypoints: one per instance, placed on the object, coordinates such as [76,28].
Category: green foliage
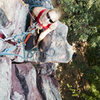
[83,20]
[93,77]
[74,91]
[78,14]
[93,55]
[95,41]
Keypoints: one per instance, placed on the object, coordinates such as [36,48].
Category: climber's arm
[43,34]
[35,13]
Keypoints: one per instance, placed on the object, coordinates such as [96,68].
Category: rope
[23,42]
[5,53]
[27,9]
[52,50]
[20,40]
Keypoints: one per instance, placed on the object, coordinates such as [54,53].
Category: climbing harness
[19,41]
[44,27]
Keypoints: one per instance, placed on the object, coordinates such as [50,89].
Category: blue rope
[10,49]
[30,52]
[52,53]
[19,40]
[5,53]
[32,3]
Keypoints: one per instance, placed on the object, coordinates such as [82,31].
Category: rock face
[60,50]
[26,78]
[12,21]
[5,78]
[14,16]
[23,81]
[13,27]
[63,50]
[47,83]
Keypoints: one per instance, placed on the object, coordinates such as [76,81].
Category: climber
[46,22]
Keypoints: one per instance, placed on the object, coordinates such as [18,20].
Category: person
[46,22]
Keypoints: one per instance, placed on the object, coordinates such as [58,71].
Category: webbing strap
[38,18]
[28,36]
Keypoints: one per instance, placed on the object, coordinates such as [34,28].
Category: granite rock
[60,50]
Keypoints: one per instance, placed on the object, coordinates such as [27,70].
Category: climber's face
[50,17]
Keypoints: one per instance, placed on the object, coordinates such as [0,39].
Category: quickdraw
[18,40]
[21,40]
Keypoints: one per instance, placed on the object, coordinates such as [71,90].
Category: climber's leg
[44,46]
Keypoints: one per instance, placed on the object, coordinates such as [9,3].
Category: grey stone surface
[15,14]
[38,83]
[63,50]
[47,82]
[60,50]
[5,78]
[3,18]
[19,82]
[25,82]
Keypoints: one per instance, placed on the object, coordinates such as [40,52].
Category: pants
[43,46]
